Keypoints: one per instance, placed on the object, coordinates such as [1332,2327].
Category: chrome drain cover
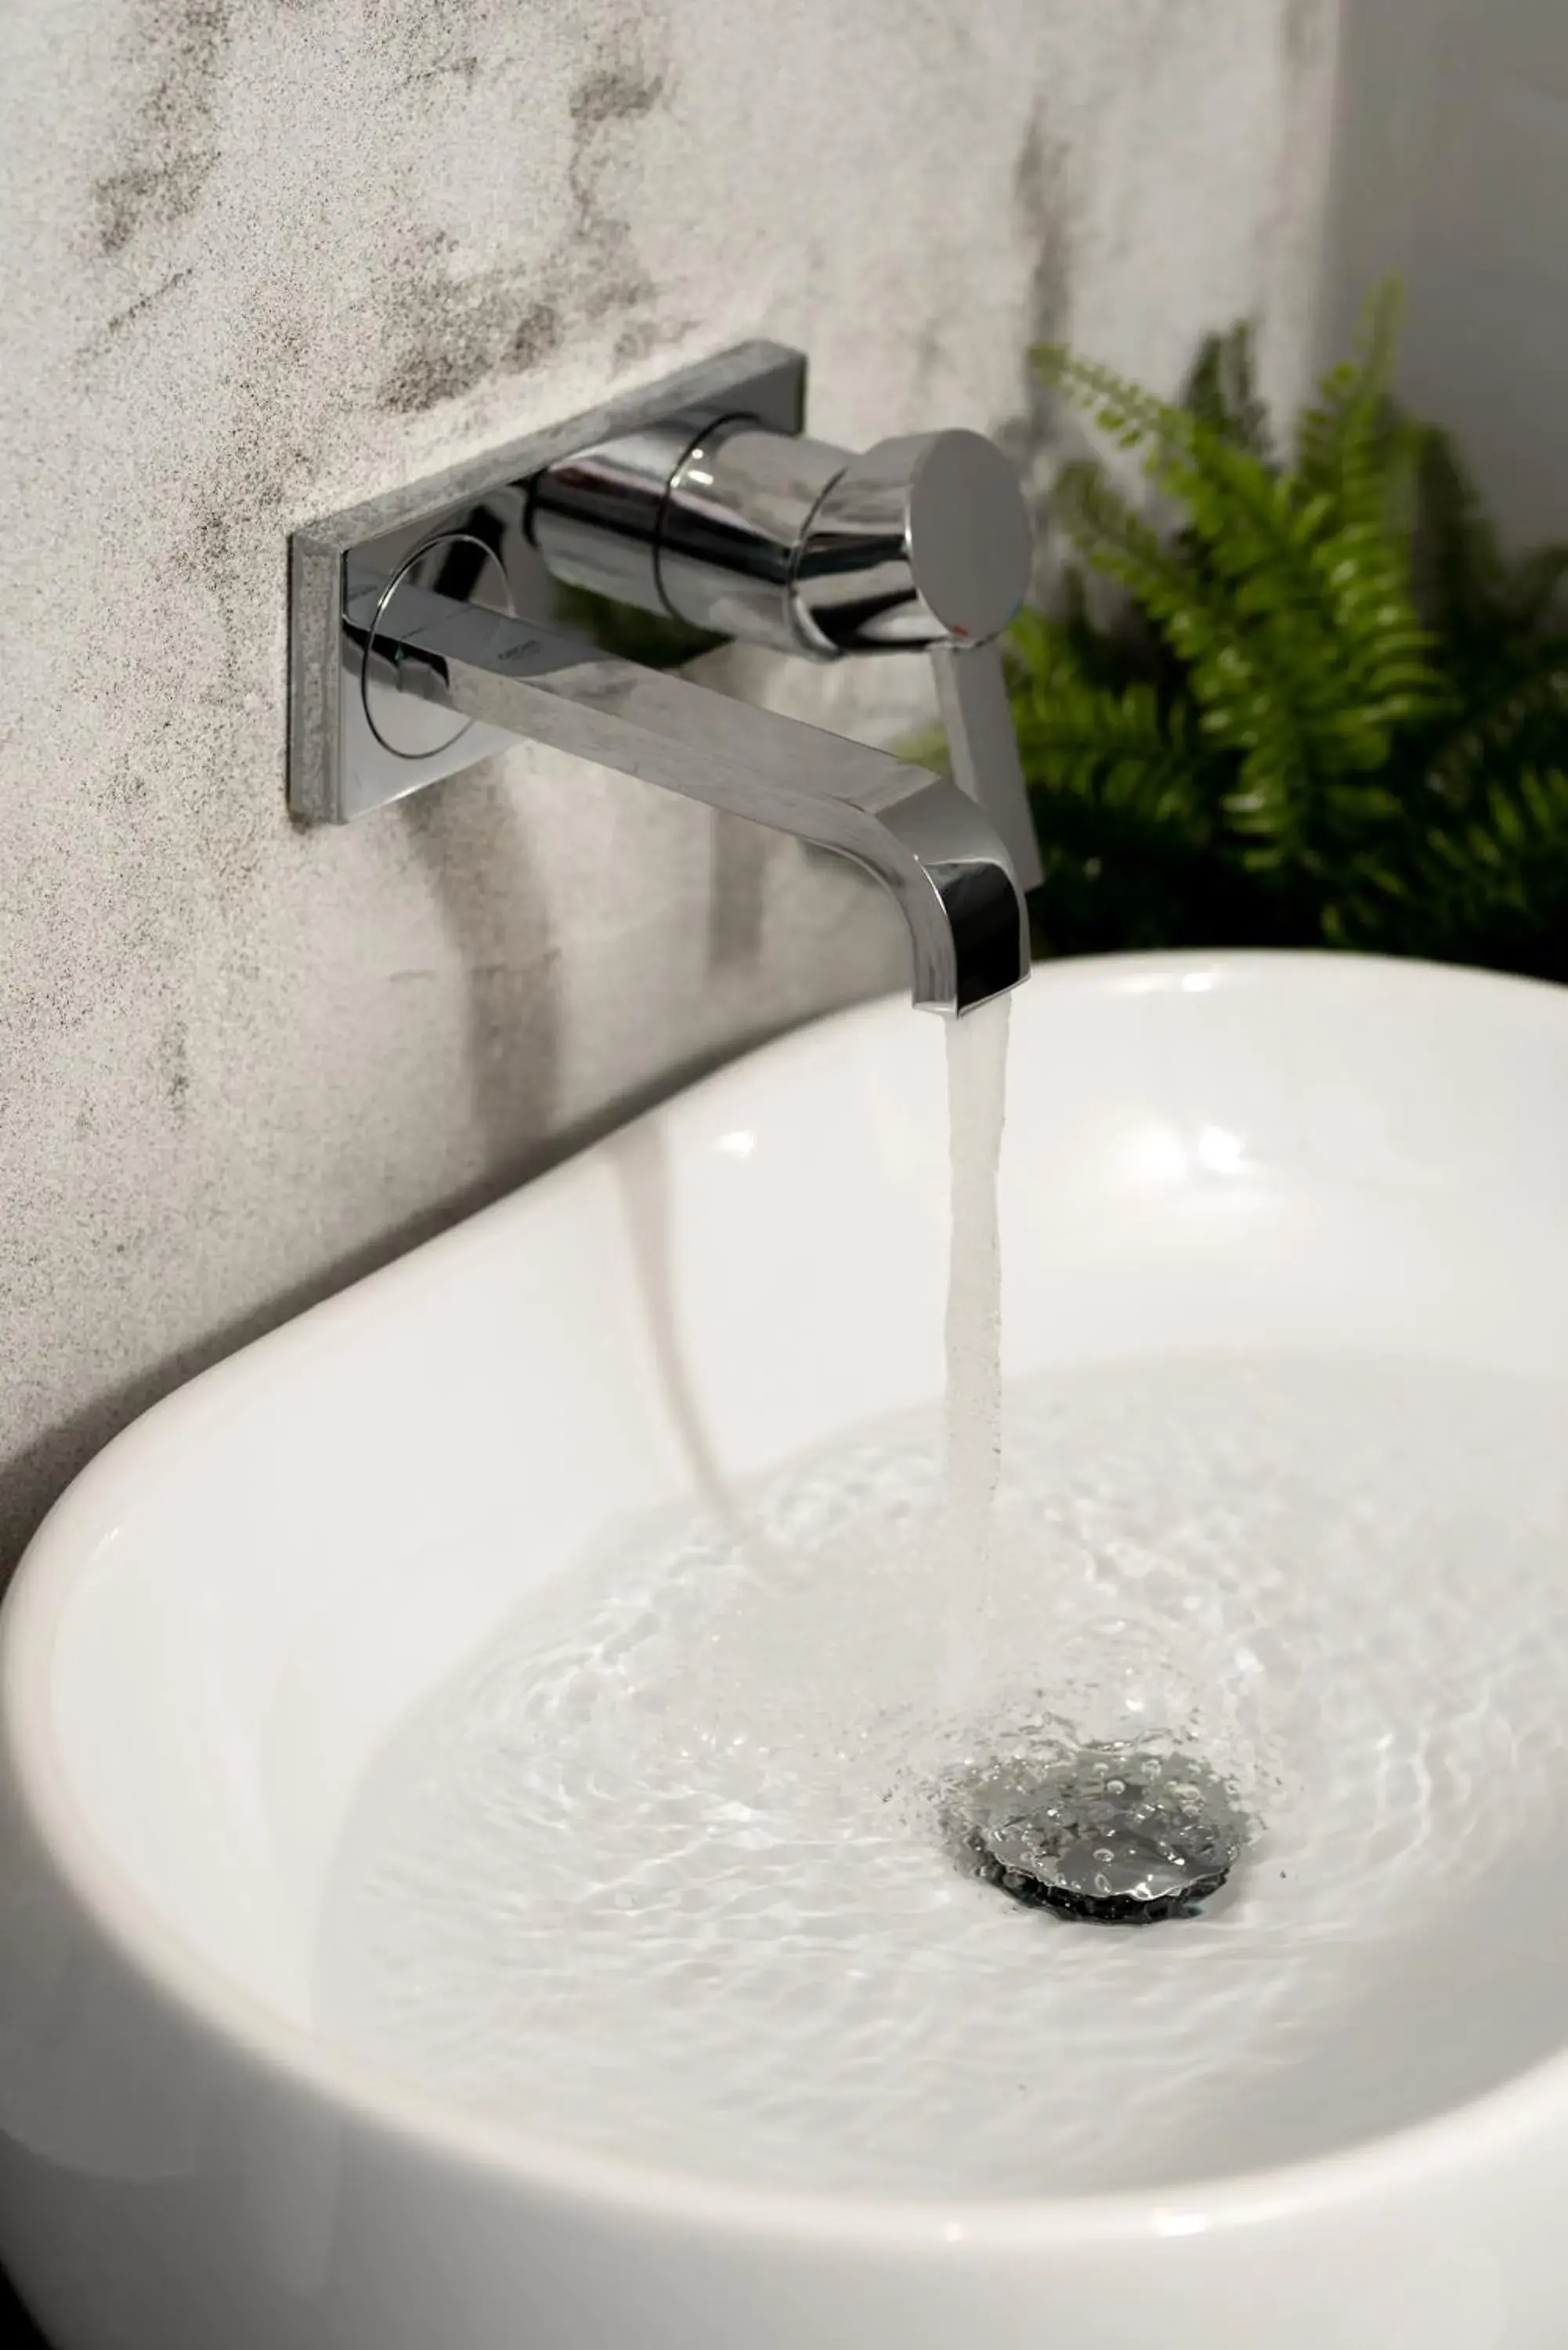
[1116,1834]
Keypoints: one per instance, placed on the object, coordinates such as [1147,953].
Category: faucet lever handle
[925,539]
[982,743]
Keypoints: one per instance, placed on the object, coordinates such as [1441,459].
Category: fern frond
[1128,802]
[1222,392]
[1331,595]
[1347,722]
[1456,563]
[1123,410]
[1515,716]
[1114,747]
[1301,647]
[1349,444]
[1495,888]
[1115,540]
[1287,602]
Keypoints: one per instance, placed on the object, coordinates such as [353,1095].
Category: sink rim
[1532,2102]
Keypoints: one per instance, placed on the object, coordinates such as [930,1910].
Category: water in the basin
[664,1872]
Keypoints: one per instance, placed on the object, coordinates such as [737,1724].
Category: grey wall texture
[260,259]
[1452,169]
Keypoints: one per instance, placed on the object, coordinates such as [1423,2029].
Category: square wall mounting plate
[464,533]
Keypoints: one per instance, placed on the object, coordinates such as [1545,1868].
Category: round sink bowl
[1327,1164]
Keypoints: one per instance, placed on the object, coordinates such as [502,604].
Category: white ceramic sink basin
[1326,1164]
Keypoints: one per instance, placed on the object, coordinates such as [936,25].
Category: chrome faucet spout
[927,841]
[432,626]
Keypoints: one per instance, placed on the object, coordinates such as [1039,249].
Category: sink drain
[1122,1836]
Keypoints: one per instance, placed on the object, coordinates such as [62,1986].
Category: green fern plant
[1327,710]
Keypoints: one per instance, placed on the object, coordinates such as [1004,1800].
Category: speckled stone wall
[259,258]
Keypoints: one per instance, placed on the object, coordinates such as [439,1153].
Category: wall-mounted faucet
[428,629]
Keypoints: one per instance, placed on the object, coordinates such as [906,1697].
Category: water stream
[977,1099]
